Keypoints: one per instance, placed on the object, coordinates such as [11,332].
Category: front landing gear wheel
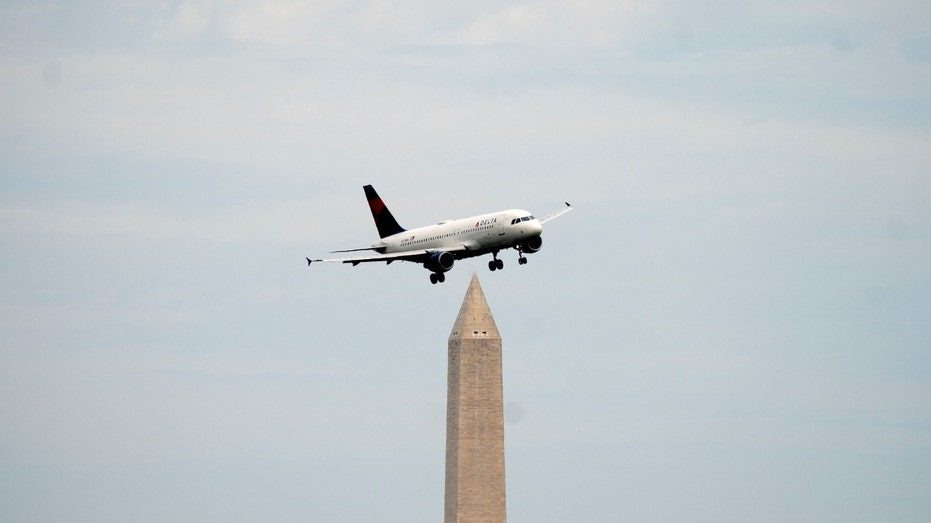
[437,277]
[522,260]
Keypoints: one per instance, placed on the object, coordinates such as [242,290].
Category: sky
[731,326]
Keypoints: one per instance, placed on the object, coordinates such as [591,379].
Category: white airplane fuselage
[483,233]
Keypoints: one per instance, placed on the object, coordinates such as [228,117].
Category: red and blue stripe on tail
[384,220]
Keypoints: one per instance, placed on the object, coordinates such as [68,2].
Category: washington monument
[475,416]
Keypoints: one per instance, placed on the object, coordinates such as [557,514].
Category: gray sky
[732,326]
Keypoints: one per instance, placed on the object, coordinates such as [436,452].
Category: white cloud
[281,22]
[551,23]
[734,205]
[189,20]
[99,224]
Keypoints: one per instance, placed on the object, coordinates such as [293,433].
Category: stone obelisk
[475,416]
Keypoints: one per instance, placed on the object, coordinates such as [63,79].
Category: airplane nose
[536,227]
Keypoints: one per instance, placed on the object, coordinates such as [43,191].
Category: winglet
[384,220]
[309,261]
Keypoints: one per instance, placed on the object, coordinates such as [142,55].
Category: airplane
[438,246]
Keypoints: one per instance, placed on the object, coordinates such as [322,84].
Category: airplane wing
[556,214]
[418,256]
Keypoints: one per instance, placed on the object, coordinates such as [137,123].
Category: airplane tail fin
[384,220]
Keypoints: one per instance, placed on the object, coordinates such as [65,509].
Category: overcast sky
[732,326]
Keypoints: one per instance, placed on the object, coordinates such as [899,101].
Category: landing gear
[522,260]
[495,264]
[437,277]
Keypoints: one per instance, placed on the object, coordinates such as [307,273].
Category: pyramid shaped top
[474,320]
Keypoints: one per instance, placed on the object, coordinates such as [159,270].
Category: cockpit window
[525,219]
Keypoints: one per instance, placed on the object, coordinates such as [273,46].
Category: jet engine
[440,262]
[532,245]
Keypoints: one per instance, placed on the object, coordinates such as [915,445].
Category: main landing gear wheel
[437,277]
[496,264]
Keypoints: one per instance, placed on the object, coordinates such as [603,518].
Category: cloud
[596,23]
[188,21]
[916,49]
[101,223]
[746,268]
[283,22]
[340,25]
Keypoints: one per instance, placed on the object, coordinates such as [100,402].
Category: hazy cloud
[742,287]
